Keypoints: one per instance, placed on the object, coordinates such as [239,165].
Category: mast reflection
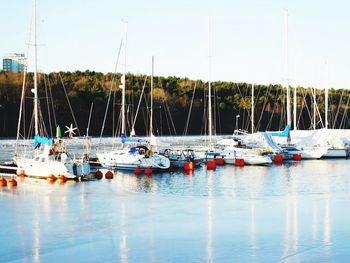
[210,217]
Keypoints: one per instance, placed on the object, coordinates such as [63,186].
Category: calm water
[294,212]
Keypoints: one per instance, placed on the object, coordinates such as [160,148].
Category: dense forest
[180,104]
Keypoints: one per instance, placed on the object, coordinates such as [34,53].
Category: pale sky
[247,38]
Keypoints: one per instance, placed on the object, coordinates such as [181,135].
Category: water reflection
[139,183]
[210,217]
[254,214]
[291,235]
[36,236]
[314,221]
[123,246]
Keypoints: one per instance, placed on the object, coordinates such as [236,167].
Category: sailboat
[210,152]
[308,148]
[51,157]
[134,152]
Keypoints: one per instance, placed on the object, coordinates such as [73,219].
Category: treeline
[61,93]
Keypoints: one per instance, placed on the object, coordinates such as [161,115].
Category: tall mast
[314,121]
[151,117]
[287,67]
[252,108]
[123,86]
[295,102]
[326,99]
[35,91]
[209,87]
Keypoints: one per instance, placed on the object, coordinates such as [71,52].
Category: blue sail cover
[284,133]
[38,140]
[125,139]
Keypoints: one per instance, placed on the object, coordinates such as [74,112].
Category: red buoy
[98,174]
[109,175]
[297,157]
[51,178]
[137,171]
[188,166]
[20,172]
[11,183]
[3,182]
[211,165]
[148,171]
[239,162]
[278,158]
[220,161]
[61,179]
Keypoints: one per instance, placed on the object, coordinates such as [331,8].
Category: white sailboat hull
[229,159]
[248,157]
[45,168]
[255,159]
[335,153]
[313,153]
[122,160]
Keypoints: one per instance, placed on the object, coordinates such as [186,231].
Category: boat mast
[35,91]
[123,86]
[326,99]
[314,121]
[252,108]
[209,87]
[287,67]
[151,112]
[295,100]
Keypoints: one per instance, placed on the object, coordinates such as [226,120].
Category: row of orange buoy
[61,179]
[10,183]
[211,164]
[278,159]
[146,171]
[108,175]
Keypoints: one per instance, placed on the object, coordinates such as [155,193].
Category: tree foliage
[172,100]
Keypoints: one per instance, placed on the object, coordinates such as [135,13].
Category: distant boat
[178,157]
[250,156]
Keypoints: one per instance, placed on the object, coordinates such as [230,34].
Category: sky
[247,38]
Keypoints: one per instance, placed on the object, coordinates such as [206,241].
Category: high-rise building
[14,62]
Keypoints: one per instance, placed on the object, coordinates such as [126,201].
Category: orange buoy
[51,178]
[3,182]
[220,161]
[20,172]
[61,179]
[98,174]
[148,171]
[11,183]
[137,171]
[109,175]
[188,166]
[211,165]
[239,162]
[297,157]
[277,158]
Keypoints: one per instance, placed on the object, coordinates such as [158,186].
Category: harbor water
[294,212]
